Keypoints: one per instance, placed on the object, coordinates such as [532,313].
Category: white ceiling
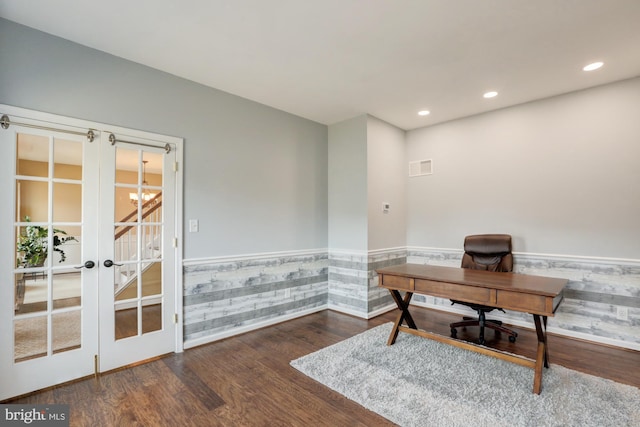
[330,60]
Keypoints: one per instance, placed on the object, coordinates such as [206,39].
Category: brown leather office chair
[490,252]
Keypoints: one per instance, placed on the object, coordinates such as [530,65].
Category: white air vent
[420,167]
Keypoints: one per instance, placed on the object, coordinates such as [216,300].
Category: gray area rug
[421,382]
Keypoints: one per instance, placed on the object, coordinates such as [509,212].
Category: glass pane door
[137,287]
[46,327]
[138,239]
[48,231]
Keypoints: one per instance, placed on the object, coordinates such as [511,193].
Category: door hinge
[175,166]
[175,242]
[95,366]
[175,318]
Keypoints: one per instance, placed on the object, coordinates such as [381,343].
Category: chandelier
[146,195]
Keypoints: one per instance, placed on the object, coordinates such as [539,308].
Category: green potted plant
[33,244]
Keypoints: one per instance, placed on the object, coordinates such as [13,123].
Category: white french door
[137,252]
[47,297]
[89,251]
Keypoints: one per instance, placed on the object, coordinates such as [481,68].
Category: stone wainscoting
[229,296]
[353,283]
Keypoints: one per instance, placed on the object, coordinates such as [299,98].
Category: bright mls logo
[37,415]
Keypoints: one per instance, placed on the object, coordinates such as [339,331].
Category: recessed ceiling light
[424,113]
[491,94]
[593,66]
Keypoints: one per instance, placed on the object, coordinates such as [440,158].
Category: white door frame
[7,197]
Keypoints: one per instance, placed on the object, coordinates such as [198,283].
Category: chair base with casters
[482,322]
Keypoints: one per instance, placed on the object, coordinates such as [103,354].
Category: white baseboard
[344,310]
[529,325]
[360,314]
[243,329]
[382,310]
[594,338]
[525,325]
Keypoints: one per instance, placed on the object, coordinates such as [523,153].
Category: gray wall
[255,177]
[366,169]
[348,184]
[386,176]
[561,175]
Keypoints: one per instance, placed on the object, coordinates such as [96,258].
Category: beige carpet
[31,335]
[64,286]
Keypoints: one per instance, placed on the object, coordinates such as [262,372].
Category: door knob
[88,264]
[109,263]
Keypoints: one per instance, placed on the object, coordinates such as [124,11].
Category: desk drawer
[395,282]
[525,302]
[453,291]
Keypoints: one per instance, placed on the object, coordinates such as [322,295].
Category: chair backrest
[490,252]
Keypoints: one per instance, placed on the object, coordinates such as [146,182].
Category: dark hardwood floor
[247,381]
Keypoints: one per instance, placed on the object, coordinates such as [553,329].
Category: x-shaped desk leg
[404,315]
[542,357]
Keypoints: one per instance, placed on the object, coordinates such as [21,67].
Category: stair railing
[126,239]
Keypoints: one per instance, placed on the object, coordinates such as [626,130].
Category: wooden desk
[537,295]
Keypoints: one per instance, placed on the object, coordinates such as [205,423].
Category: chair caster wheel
[481,342]
[454,333]
[512,338]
